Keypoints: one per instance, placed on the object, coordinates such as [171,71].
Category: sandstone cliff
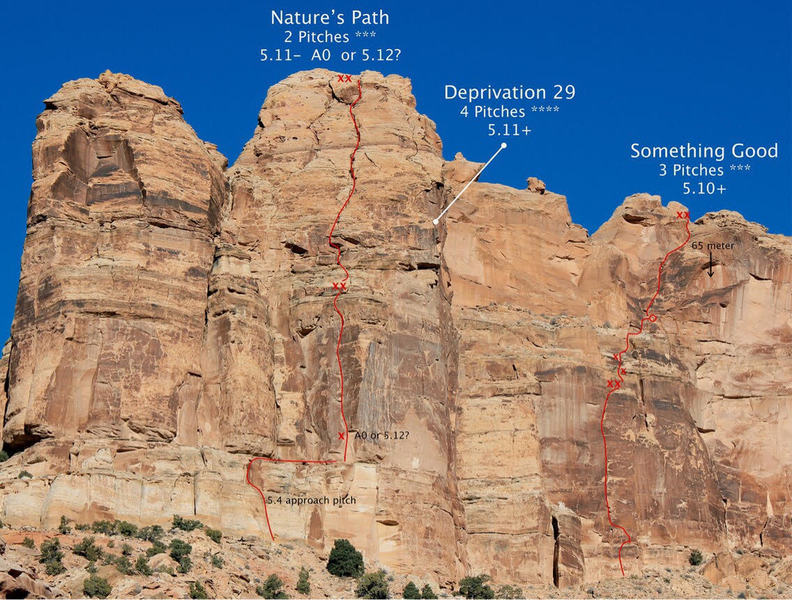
[175,319]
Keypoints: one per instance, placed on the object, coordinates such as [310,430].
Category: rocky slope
[175,319]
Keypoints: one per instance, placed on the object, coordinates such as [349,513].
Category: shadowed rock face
[175,319]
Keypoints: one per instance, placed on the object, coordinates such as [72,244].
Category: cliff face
[175,319]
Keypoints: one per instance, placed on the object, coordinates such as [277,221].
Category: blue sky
[663,73]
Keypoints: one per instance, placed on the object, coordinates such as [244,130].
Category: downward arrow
[709,272]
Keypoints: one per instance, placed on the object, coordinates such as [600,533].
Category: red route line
[651,317]
[341,287]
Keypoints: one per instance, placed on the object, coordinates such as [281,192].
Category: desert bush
[88,549]
[214,534]
[303,585]
[157,547]
[185,524]
[475,587]
[124,565]
[105,527]
[344,560]
[28,542]
[696,557]
[373,585]
[509,592]
[197,590]
[179,549]
[150,533]
[52,557]
[25,475]
[64,526]
[217,561]
[142,566]
[411,591]
[126,528]
[96,587]
[271,588]
[185,564]
[428,593]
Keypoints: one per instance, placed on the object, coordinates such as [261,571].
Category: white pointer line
[440,216]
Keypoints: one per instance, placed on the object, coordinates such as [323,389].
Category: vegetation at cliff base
[476,587]
[88,549]
[411,591]
[96,587]
[52,557]
[197,590]
[214,534]
[373,585]
[271,588]
[427,593]
[344,560]
[303,585]
[186,524]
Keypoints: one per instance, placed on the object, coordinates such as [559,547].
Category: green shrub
[108,558]
[28,542]
[428,593]
[126,528]
[185,524]
[105,527]
[373,585]
[3,456]
[217,561]
[82,526]
[96,587]
[91,568]
[25,474]
[509,592]
[126,549]
[111,543]
[303,585]
[124,565]
[411,591]
[185,564]
[64,525]
[88,549]
[52,557]
[197,590]
[696,557]
[344,560]
[157,547]
[271,588]
[475,587]
[142,566]
[150,533]
[214,534]
[179,549]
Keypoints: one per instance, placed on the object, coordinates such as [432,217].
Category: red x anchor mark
[340,286]
[683,214]
[344,78]
[340,435]
[612,383]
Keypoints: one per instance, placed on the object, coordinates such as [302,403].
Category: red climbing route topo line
[280,460]
[615,384]
[340,286]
